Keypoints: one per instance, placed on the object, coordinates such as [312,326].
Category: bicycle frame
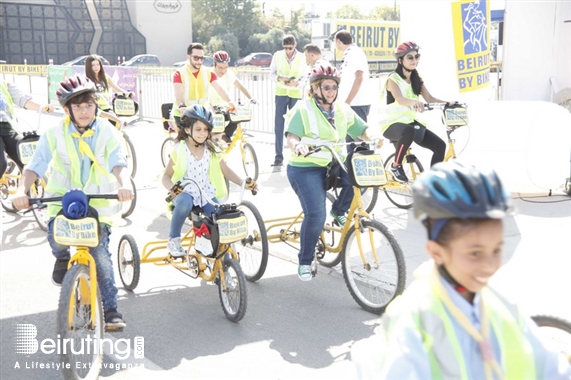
[83,257]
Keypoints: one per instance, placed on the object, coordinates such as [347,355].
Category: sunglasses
[411,57]
[197,57]
[288,48]
[329,88]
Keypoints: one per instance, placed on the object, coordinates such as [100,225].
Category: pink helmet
[324,72]
[404,48]
[221,56]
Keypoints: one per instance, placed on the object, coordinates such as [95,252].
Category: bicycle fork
[87,293]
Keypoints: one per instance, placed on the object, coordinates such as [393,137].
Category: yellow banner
[41,70]
[471,25]
[378,39]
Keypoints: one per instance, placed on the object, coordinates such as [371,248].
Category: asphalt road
[291,329]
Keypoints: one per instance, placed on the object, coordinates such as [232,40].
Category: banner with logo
[471,25]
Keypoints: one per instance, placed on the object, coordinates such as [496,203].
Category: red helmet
[404,48]
[221,56]
[324,72]
[72,87]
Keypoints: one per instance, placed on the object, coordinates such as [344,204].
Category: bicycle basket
[77,232]
[366,168]
[206,238]
[232,224]
[241,113]
[27,146]
[125,106]
[455,115]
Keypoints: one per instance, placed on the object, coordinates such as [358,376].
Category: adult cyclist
[226,79]
[403,90]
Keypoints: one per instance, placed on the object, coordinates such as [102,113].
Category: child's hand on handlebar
[125,194]
[252,186]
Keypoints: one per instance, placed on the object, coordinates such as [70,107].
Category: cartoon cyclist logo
[474,25]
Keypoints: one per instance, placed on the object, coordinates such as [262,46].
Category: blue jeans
[283,104]
[102,257]
[183,204]
[307,182]
[362,112]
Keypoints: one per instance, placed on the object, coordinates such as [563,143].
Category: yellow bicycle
[454,116]
[372,260]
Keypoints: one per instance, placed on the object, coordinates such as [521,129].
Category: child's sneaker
[304,272]
[175,248]
[340,219]
[398,173]
[114,320]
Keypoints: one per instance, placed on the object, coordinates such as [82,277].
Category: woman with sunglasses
[319,119]
[403,89]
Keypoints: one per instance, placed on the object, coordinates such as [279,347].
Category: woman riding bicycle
[195,157]
[316,120]
[404,87]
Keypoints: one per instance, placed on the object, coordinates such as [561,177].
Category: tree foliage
[387,13]
[351,12]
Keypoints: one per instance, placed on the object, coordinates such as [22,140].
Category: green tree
[387,13]
[226,42]
[349,12]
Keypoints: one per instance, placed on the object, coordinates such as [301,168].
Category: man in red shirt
[191,83]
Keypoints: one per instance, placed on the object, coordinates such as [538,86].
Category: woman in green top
[94,70]
[317,120]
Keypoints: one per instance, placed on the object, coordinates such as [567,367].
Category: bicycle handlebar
[329,147]
[39,201]
[180,185]
[431,106]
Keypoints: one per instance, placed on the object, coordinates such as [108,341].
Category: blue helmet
[455,190]
[197,112]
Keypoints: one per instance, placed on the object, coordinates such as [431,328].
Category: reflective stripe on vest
[194,89]
[395,112]
[7,98]
[295,69]
[318,130]
[180,160]
[66,169]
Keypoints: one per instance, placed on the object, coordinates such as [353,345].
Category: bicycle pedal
[113,329]
[411,158]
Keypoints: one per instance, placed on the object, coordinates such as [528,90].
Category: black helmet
[198,112]
[72,87]
[456,190]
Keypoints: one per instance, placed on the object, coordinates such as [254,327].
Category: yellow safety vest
[296,69]
[103,97]
[395,112]
[66,169]
[431,319]
[195,89]
[180,160]
[318,130]
[8,98]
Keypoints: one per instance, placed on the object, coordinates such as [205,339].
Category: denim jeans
[102,257]
[283,104]
[307,182]
[362,112]
[183,204]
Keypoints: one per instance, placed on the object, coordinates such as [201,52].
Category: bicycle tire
[250,159]
[328,259]
[131,155]
[128,207]
[72,302]
[40,214]
[375,284]
[253,251]
[399,197]
[234,299]
[551,321]
[166,149]
[555,333]
[129,262]
[9,188]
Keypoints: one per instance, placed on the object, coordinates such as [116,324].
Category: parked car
[80,61]
[143,60]
[255,59]
[208,61]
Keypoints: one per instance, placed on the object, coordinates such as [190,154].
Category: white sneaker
[175,248]
[304,272]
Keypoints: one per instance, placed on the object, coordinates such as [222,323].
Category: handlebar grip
[248,182]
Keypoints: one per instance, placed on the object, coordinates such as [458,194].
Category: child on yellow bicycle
[449,324]
[195,157]
[84,152]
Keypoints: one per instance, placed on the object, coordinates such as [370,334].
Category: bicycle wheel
[129,262]
[78,326]
[555,333]
[41,214]
[9,185]
[131,155]
[253,250]
[166,149]
[128,207]
[377,276]
[233,296]
[250,161]
[326,258]
[400,194]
